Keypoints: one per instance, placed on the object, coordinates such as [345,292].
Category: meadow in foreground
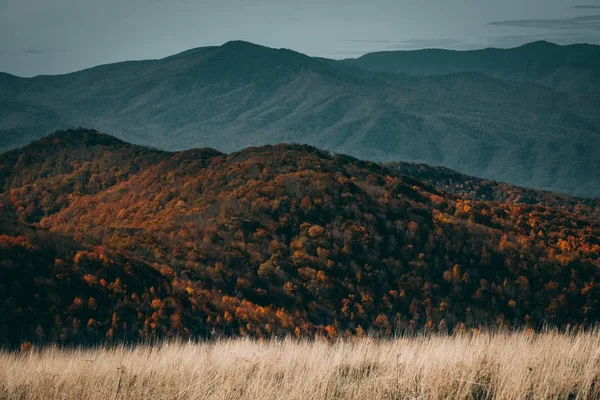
[483,366]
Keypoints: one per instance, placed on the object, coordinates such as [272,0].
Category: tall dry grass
[495,366]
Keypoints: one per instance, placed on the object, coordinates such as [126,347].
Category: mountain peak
[89,137]
[251,49]
[242,43]
[231,45]
[79,137]
[540,44]
[244,60]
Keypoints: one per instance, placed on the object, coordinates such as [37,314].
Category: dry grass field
[484,366]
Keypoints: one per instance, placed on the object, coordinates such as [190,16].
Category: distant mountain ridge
[571,68]
[238,95]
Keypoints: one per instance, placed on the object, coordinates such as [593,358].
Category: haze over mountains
[534,123]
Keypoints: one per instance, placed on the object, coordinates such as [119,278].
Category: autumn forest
[105,241]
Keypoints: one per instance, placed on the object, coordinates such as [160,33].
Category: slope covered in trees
[474,188]
[239,94]
[103,240]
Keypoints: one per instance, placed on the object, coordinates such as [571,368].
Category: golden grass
[495,366]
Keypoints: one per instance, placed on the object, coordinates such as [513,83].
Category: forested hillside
[474,188]
[103,240]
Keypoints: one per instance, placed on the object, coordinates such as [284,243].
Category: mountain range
[528,116]
[103,241]
[573,68]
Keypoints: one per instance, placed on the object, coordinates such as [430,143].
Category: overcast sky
[58,36]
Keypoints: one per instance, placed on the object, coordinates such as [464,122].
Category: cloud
[587,23]
[587,7]
[32,52]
